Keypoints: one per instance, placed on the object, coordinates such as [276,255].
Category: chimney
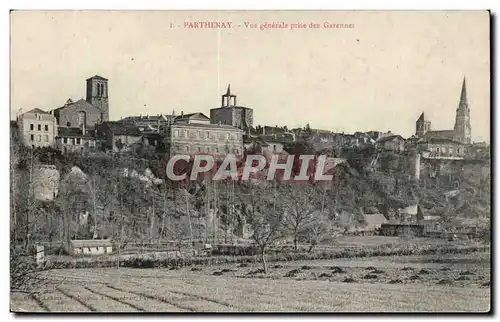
[182,113]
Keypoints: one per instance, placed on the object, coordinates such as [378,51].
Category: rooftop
[118,128]
[74,132]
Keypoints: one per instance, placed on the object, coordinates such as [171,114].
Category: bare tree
[300,202]
[264,216]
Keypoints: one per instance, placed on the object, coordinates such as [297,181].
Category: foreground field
[449,284]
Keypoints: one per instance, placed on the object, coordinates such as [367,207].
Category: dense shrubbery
[384,250]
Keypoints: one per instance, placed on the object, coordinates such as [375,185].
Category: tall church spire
[462,121]
[463,95]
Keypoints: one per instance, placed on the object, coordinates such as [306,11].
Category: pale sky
[379,75]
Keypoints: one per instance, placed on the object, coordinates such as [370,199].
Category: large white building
[37,128]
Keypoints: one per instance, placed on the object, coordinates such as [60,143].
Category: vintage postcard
[250,161]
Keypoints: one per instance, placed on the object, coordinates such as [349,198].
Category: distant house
[150,123]
[90,247]
[374,221]
[74,139]
[394,143]
[118,137]
[368,225]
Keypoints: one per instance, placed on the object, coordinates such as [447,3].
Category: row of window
[75,141]
[444,150]
[39,127]
[39,138]
[207,149]
[205,134]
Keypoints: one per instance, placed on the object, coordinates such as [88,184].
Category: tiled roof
[81,102]
[198,115]
[123,129]
[439,140]
[98,77]
[91,243]
[73,132]
[390,138]
[36,110]
[207,125]
[375,219]
[147,118]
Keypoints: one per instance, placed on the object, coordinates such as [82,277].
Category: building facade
[461,131]
[441,148]
[232,114]
[73,139]
[117,137]
[394,143]
[194,134]
[37,128]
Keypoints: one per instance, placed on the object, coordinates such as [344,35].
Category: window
[274,148]
[176,133]
[200,134]
[32,127]
[46,128]
[199,149]
[187,148]
[227,136]
[98,89]
[32,138]
[46,138]
[78,140]
[186,133]
[451,151]
[437,150]
[216,150]
[74,141]
[82,119]
[102,117]
[458,150]
[207,134]
[39,127]
[39,138]
[65,140]
[207,149]
[68,124]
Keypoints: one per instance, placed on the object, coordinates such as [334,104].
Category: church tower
[228,99]
[97,95]
[462,127]
[422,126]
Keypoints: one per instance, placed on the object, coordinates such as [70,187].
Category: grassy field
[400,283]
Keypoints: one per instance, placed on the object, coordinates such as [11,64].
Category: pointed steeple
[462,129]
[421,118]
[228,99]
[463,95]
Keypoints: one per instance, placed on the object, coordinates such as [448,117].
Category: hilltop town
[84,186]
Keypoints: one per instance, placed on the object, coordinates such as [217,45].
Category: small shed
[90,247]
